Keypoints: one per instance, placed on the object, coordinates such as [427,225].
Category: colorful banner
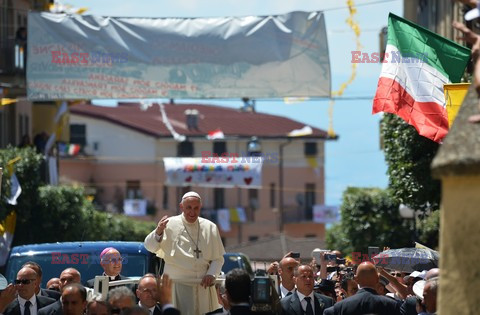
[85,57]
[135,207]
[325,214]
[244,172]
[7,230]
[454,95]
[223,219]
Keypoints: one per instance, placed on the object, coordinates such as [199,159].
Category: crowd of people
[193,254]
[338,287]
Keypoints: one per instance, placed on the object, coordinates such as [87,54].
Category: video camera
[264,295]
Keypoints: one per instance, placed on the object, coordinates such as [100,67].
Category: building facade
[122,158]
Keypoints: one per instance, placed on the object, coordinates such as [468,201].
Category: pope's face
[191,209]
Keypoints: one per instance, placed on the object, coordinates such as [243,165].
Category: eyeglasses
[24,281]
[396,274]
[151,291]
[113,260]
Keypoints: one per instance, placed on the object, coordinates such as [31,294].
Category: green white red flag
[416,66]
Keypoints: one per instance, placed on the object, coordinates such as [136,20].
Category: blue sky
[355,159]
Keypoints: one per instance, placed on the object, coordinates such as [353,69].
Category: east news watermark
[59,258]
[388,57]
[242,157]
[85,58]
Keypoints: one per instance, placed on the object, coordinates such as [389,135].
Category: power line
[360,5]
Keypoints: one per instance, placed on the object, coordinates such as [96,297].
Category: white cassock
[177,248]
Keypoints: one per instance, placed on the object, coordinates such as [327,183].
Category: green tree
[408,156]
[370,217]
[59,213]
[428,228]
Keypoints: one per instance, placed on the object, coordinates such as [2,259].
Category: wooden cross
[197,251]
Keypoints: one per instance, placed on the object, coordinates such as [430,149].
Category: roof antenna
[248,105]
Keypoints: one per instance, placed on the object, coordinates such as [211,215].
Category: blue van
[85,257]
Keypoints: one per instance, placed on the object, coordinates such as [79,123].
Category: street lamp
[408,213]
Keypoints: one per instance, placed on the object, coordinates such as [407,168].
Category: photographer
[237,289]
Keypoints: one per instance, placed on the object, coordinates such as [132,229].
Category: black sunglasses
[117,310]
[24,281]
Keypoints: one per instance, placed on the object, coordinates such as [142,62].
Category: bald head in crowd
[69,275]
[286,268]
[367,275]
[432,273]
[74,299]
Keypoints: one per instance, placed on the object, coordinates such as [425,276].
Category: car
[85,257]
[237,260]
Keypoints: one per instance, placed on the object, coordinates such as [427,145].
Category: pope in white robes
[193,252]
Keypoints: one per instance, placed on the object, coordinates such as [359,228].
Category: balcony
[296,214]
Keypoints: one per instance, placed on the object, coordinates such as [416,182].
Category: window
[272,195]
[133,190]
[219,147]
[253,199]
[309,201]
[218,198]
[165,198]
[185,149]
[310,149]
[78,134]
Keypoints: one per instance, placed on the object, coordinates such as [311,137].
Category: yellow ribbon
[356,30]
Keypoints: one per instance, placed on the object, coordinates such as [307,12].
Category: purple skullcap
[106,250]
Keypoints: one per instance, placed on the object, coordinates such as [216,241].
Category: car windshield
[236,261]
[133,265]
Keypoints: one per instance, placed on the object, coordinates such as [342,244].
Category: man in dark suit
[68,276]
[26,302]
[39,291]
[148,294]
[237,289]
[366,301]
[304,300]
[111,262]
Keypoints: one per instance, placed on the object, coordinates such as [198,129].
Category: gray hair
[119,293]
[98,300]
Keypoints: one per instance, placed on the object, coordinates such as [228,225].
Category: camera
[295,255]
[264,295]
[330,257]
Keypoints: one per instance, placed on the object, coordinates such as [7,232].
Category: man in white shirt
[193,252]
[147,293]
[286,268]
[27,302]
[304,300]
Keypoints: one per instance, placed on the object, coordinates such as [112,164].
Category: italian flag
[416,66]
